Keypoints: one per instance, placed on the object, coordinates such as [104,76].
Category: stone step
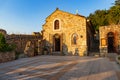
[112,56]
[56,53]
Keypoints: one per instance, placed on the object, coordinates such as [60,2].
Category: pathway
[60,68]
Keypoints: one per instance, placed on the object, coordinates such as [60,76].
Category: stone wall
[7,56]
[90,37]
[29,49]
[20,40]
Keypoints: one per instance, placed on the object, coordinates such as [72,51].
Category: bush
[4,47]
[2,39]
[118,57]
[17,54]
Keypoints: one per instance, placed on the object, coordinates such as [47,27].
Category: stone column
[103,51]
[39,47]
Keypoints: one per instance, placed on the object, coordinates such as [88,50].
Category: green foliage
[119,58]
[2,39]
[99,18]
[114,15]
[4,46]
[106,17]
[117,2]
[17,54]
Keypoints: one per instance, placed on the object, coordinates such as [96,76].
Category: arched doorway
[111,42]
[57,42]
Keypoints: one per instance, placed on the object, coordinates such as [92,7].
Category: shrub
[118,57]
[2,39]
[4,47]
[17,54]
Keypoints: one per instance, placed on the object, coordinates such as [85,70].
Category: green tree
[99,18]
[114,15]
[117,2]
[4,46]
[106,17]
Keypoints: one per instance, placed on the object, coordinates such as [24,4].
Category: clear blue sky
[27,16]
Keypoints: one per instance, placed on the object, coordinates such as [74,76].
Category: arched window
[74,39]
[56,24]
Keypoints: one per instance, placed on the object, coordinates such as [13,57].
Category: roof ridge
[57,9]
[70,13]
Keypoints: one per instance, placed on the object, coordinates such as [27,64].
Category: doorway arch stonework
[111,42]
[57,42]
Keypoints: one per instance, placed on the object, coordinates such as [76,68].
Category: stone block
[7,56]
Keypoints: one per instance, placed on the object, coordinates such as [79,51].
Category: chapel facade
[68,34]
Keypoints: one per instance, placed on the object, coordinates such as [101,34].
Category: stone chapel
[68,34]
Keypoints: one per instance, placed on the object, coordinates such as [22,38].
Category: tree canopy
[106,17]
[117,2]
